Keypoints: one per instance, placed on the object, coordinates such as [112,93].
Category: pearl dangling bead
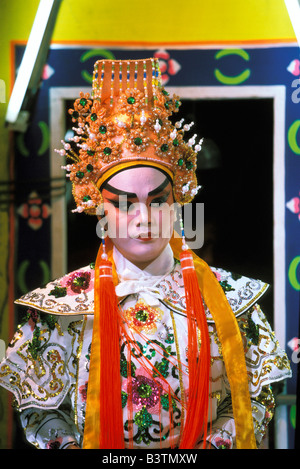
[66,146]
[90,203]
[157,126]
[179,124]
[61,152]
[173,134]
[78,209]
[187,127]
[143,118]
[192,140]
[120,123]
[78,131]
[195,191]
[199,146]
[185,188]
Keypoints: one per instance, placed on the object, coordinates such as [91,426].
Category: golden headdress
[125,122]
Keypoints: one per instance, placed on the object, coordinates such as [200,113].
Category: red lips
[145,237]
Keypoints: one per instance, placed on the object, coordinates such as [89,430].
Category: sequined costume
[47,363]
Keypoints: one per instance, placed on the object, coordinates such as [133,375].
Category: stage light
[29,74]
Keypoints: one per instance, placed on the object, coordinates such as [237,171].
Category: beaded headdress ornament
[124,122]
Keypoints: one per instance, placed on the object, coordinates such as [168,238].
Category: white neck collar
[161,266]
[133,280]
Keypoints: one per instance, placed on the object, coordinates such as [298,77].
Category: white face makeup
[139,211]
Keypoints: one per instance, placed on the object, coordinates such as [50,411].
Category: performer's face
[139,211]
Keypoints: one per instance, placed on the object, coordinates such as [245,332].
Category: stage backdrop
[262,72]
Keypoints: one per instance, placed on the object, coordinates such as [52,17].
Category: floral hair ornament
[127,120]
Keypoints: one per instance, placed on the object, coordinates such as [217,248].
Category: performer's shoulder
[242,292]
[71,294]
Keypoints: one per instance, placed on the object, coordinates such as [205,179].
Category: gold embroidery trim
[179,372]
[78,356]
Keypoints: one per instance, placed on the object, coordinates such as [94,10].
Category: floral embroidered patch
[143,317]
[149,396]
[252,331]
[77,282]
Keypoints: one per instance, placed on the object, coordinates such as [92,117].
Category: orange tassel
[198,360]
[111,415]
[104,414]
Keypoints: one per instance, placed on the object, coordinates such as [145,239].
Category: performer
[150,347]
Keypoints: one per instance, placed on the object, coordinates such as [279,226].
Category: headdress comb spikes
[125,121]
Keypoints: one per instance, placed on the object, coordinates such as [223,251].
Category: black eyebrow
[116,191]
[132,195]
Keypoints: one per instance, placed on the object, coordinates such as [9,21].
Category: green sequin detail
[175,142]
[165,403]
[94,117]
[83,101]
[170,339]
[131,100]
[58,292]
[107,151]
[162,368]
[75,115]
[89,168]
[35,344]
[79,281]
[180,162]
[144,390]
[252,331]
[86,198]
[80,174]
[142,315]
[143,419]
[235,276]
[138,141]
[123,368]
[189,165]
[124,398]
[50,320]
[164,147]
[102,129]
[226,287]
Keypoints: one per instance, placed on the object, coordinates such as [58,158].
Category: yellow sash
[232,348]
